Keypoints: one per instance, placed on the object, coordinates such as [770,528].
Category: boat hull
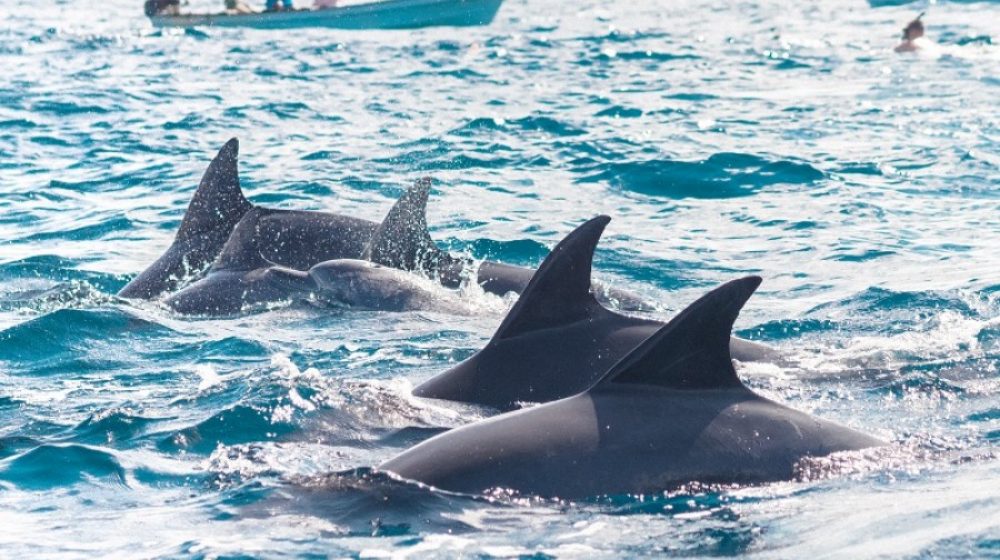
[390,14]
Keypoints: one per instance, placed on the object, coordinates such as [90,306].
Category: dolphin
[366,285]
[671,412]
[299,239]
[557,340]
[216,207]
[244,278]
[350,283]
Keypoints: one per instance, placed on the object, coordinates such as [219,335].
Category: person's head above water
[914,29]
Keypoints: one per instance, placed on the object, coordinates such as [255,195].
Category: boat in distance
[385,14]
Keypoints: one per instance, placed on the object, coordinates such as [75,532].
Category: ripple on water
[524,252]
[365,502]
[112,427]
[901,310]
[51,466]
[235,425]
[70,340]
[723,175]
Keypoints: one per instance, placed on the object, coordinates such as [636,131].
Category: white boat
[386,14]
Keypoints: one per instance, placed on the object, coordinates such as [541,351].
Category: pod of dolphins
[625,405]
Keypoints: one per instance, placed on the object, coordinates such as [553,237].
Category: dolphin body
[294,238]
[348,283]
[557,340]
[243,278]
[671,412]
[301,239]
[366,285]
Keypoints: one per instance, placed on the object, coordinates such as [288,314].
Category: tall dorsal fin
[218,204]
[692,350]
[402,240]
[559,292]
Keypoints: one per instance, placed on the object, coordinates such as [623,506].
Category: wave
[73,340]
[535,123]
[50,466]
[722,175]
[86,232]
[619,112]
[235,425]
[365,502]
[525,252]
[114,426]
[49,299]
[892,311]
[442,156]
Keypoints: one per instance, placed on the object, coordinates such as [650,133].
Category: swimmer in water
[913,36]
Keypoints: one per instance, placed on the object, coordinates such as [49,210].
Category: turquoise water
[764,137]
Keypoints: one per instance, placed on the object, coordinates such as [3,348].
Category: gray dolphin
[366,285]
[293,238]
[557,340]
[672,411]
[215,209]
[301,239]
[347,283]
[243,278]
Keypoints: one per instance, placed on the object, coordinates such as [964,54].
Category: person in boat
[162,7]
[324,4]
[913,36]
[272,6]
[238,7]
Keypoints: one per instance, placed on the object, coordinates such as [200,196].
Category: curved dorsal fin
[218,204]
[402,240]
[559,292]
[692,350]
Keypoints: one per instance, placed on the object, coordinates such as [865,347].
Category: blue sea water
[763,137]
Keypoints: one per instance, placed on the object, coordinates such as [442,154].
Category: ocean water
[779,139]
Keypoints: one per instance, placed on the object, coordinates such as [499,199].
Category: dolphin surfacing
[366,285]
[558,339]
[299,240]
[216,207]
[671,412]
[243,279]
[291,238]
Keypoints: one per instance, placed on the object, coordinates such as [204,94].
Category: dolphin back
[671,412]
[557,306]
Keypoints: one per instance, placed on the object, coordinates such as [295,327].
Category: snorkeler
[913,36]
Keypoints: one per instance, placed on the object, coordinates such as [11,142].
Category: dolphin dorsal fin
[559,292]
[692,350]
[218,204]
[402,240]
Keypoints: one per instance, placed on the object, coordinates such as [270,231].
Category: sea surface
[724,138]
